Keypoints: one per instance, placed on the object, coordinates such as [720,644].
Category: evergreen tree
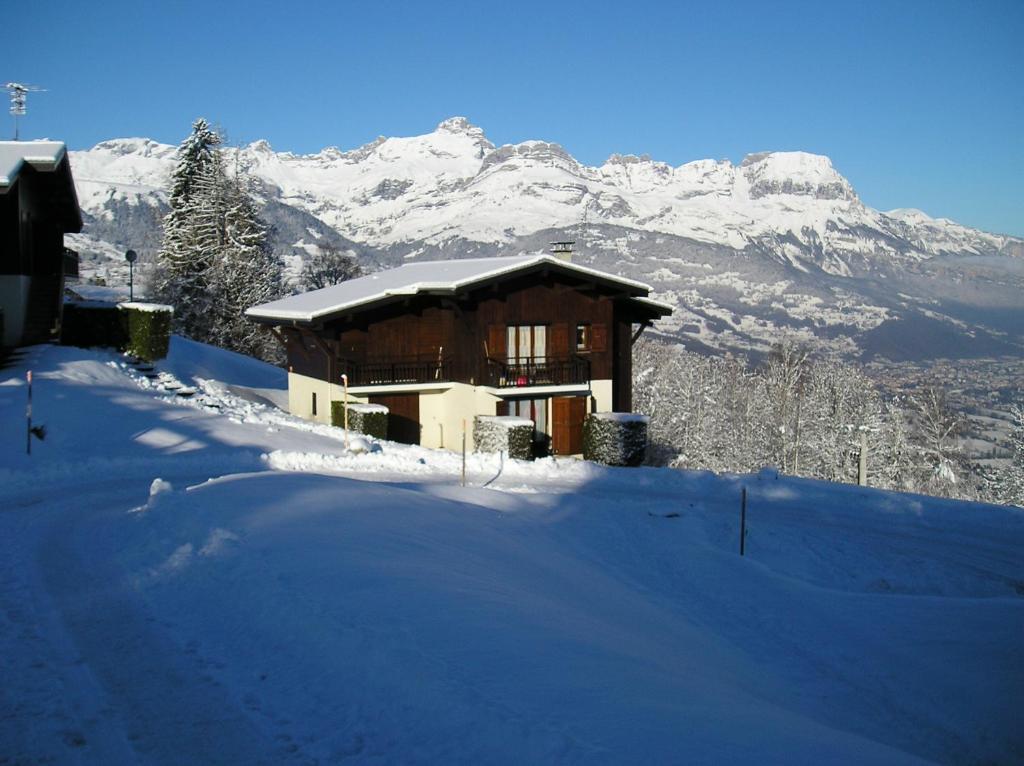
[181,276]
[215,261]
[247,273]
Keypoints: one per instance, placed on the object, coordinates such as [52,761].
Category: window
[534,409]
[314,403]
[526,343]
[584,337]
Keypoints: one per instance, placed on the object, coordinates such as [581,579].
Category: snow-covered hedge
[615,438]
[369,419]
[148,327]
[142,329]
[504,433]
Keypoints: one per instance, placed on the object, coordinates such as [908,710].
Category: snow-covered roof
[45,156]
[437,277]
[42,155]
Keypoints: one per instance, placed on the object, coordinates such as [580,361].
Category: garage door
[403,416]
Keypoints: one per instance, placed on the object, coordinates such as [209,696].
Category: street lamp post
[131,256]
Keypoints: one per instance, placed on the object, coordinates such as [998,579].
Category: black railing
[399,371]
[538,372]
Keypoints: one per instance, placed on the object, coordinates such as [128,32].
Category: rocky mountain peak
[458,124]
[794,173]
[261,146]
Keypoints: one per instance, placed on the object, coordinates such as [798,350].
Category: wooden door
[567,414]
[403,416]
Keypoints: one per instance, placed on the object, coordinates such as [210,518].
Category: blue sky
[919,104]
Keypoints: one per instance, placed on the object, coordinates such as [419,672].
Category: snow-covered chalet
[440,342]
[38,206]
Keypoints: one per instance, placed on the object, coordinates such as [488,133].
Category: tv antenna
[19,97]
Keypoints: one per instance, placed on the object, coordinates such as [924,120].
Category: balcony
[573,370]
[399,371]
[564,371]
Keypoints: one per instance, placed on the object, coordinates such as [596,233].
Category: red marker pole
[28,417]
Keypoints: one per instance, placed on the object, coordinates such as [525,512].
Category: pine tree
[215,261]
[181,277]
[246,274]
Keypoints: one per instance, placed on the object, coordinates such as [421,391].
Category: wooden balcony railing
[500,373]
[538,372]
[409,370]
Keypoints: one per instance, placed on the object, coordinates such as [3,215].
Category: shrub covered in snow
[148,329]
[369,419]
[504,433]
[142,329]
[615,438]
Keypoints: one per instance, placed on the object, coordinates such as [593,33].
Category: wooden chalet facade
[38,205]
[440,342]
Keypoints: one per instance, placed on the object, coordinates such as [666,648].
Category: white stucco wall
[300,397]
[601,390]
[442,408]
[442,413]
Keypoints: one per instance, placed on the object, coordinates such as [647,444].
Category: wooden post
[463,452]
[743,521]
[344,385]
[28,417]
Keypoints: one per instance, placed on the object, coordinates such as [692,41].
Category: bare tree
[329,266]
[783,377]
[936,429]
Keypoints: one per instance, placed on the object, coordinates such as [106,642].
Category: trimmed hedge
[504,433]
[369,419]
[141,329]
[615,438]
[149,329]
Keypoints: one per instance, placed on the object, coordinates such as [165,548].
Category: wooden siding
[403,416]
[622,379]
[464,330]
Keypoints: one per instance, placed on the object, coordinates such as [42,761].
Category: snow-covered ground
[208,580]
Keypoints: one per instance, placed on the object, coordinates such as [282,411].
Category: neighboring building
[439,342]
[38,206]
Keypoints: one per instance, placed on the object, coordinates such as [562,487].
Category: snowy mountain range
[779,244]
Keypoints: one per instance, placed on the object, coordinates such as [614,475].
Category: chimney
[562,250]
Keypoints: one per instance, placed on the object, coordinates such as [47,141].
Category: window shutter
[560,339]
[599,337]
[496,341]
[501,408]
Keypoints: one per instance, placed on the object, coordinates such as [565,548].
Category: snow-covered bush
[504,433]
[369,419]
[142,329]
[615,438]
[148,329]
